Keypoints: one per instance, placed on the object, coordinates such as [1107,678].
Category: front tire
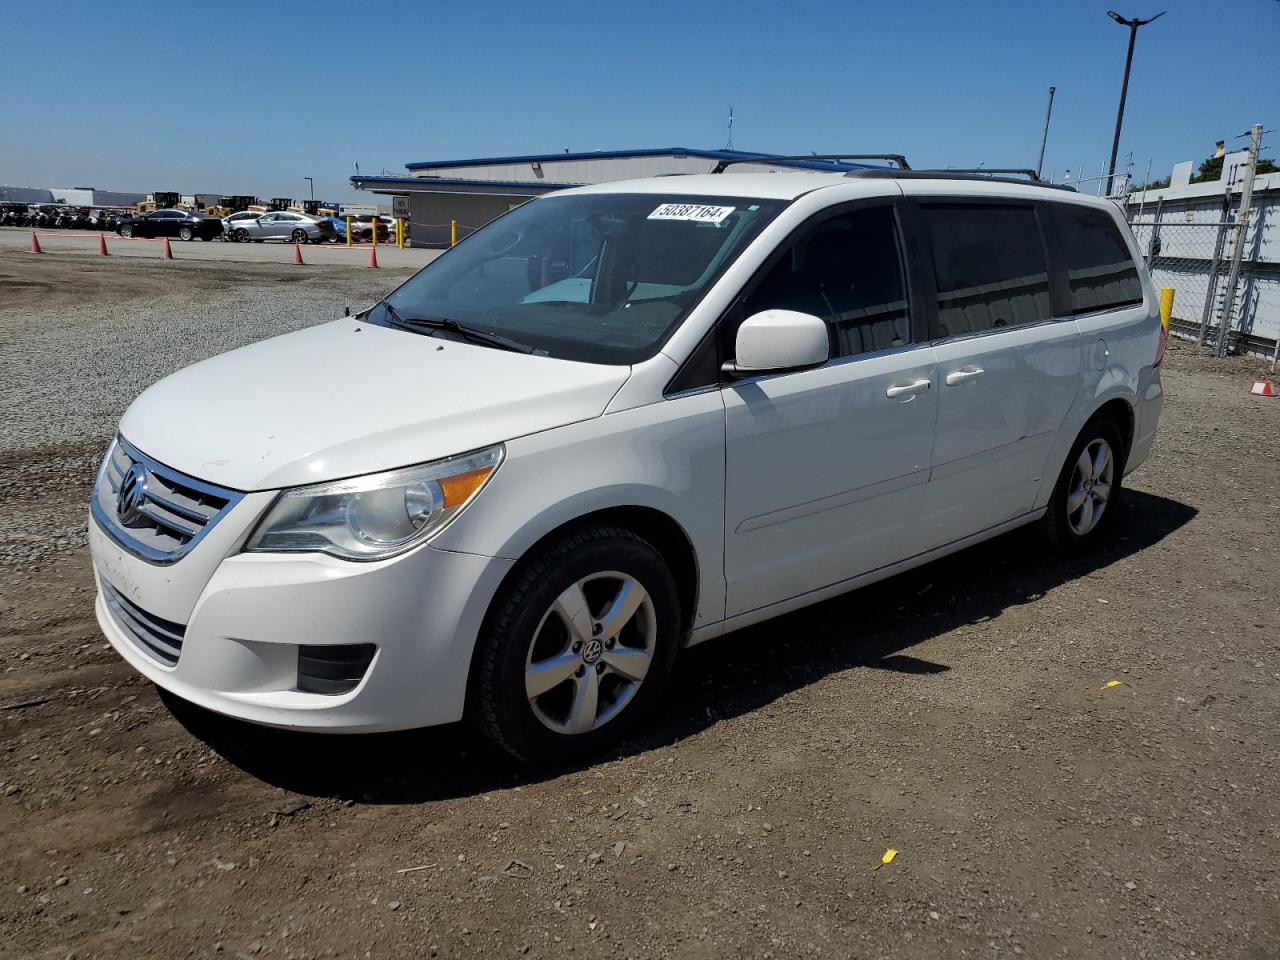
[185,234]
[1086,498]
[126,232]
[577,647]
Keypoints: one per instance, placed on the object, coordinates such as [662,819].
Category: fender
[666,456]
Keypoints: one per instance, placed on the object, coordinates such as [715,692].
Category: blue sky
[147,96]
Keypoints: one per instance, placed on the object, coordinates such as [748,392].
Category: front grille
[170,511]
[158,638]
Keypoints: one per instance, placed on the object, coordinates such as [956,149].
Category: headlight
[377,516]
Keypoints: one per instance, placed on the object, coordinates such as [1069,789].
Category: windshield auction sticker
[699,212]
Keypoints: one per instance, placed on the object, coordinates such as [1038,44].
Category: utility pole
[1133,26]
[1044,137]
[313,186]
[1237,249]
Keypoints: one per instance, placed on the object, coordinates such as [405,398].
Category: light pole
[313,186]
[1133,26]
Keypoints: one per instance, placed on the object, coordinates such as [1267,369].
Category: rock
[393,905]
[296,805]
[61,882]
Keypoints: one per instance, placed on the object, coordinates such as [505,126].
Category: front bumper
[248,620]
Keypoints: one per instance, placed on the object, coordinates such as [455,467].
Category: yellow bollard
[400,232]
[1166,307]
[453,233]
[374,224]
[348,231]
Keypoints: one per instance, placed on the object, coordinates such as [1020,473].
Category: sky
[251,97]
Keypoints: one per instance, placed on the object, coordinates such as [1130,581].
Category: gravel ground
[81,337]
[963,715]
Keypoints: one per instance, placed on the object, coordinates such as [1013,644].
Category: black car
[172,223]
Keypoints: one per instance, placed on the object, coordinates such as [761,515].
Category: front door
[1008,371]
[825,468]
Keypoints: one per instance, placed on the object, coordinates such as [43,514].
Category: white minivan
[619,420]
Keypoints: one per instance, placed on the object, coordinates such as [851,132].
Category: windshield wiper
[453,326]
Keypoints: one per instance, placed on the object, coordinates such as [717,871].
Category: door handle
[907,390]
[963,374]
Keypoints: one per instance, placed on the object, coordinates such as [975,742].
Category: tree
[1211,169]
[1159,184]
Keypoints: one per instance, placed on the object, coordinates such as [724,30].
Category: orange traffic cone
[168,250]
[1263,388]
[102,245]
[373,255]
[35,243]
[297,253]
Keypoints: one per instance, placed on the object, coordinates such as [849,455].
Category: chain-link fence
[1194,259]
[1224,268]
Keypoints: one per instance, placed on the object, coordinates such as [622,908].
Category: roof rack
[991,174]
[897,158]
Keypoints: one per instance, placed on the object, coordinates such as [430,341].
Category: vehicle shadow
[869,628]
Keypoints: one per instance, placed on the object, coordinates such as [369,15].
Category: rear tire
[126,232]
[1087,496]
[299,236]
[555,677]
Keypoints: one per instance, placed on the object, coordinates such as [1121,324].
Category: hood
[348,398]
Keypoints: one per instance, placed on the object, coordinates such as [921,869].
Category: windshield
[603,278]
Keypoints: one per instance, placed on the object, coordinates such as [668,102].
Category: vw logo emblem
[132,495]
[591,651]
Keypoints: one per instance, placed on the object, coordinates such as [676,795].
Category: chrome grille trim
[158,638]
[177,510]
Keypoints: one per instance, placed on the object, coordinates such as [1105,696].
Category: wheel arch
[650,524]
[1120,411]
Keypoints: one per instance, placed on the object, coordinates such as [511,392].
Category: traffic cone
[102,245]
[35,243]
[1263,388]
[297,254]
[373,256]
[168,250]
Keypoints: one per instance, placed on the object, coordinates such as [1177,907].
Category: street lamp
[1133,26]
[313,183]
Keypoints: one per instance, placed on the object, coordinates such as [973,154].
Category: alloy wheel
[591,652]
[1091,485]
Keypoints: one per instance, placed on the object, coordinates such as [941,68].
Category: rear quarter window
[1100,271]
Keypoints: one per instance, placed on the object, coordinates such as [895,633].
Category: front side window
[848,271]
[989,265]
[603,278]
[1100,271]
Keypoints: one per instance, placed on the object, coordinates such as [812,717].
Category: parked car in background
[362,227]
[285,226]
[230,223]
[339,229]
[182,224]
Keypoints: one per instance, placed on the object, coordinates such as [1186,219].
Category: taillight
[1164,339]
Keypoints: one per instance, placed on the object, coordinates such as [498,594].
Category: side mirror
[776,340]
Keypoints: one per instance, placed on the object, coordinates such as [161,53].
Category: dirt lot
[960,715]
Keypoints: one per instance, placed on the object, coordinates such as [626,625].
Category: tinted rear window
[989,265]
[1099,269]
